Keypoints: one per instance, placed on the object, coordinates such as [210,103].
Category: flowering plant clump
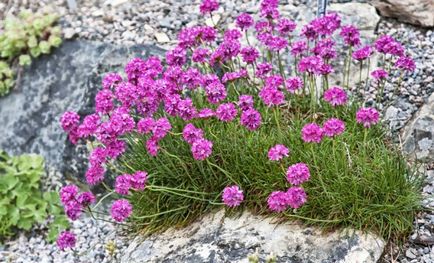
[212,123]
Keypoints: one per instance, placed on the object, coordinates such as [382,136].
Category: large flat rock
[67,79]
[216,238]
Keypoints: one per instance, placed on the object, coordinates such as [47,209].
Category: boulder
[418,135]
[416,12]
[67,79]
[216,238]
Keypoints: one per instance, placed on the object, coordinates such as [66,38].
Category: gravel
[158,21]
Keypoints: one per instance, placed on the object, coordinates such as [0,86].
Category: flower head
[69,120]
[296,197]
[226,112]
[335,96]
[208,6]
[293,84]
[367,116]
[405,63]
[298,47]
[232,196]
[285,26]
[333,127]
[278,201]
[191,134]
[111,79]
[379,74]
[120,210]
[351,35]
[312,132]
[65,240]
[244,21]
[245,102]
[138,180]
[297,173]
[249,54]
[68,194]
[362,53]
[201,149]
[277,152]
[251,119]
[86,198]
[123,184]
[271,96]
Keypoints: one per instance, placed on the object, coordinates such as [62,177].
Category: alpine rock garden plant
[225,120]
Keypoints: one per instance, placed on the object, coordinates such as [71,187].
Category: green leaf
[25,223]
[44,47]
[54,41]
[25,60]
[9,181]
[35,52]
[40,215]
[14,215]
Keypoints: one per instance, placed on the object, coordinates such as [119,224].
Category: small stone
[162,37]
[411,253]
[69,33]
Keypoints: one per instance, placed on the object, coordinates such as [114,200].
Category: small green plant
[22,203]
[25,36]
[6,78]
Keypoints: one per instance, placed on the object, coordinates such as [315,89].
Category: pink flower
[161,128]
[104,101]
[244,21]
[278,201]
[68,194]
[86,198]
[406,63]
[251,119]
[123,184]
[311,65]
[205,113]
[367,116]
[65,240]
[226,112]
[312,132]
[333,127]
[362,53]
[277,152]
[296,197]
[298,47]
[271,96]
[208,6]
[262,69]
[388,45]
[152,146]
[232,196]
[145,125]
[115,148]
[120,210]
[138,180]
[245,102]
[297,173]
[200,55]
[249,54]
[379,74]
[111,79]
[335,96]
[176,57]
[69,120]
[351,35]
[293,84]
[89,126]
[201,149]
[215,92]
[285,26]
[95,174]
[73,212]
[191,134]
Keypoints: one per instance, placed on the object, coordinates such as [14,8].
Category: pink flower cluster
[294,197]
[74,202]
[278,152]
[232,196]
[126,182]
[367,116]
[312,132]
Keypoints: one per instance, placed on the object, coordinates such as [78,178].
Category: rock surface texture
[419,134]
[67,79]
[416,12]
[216,238]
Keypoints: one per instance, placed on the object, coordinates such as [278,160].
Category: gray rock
[416,12]
[419,134]
[216,238]
[67,79]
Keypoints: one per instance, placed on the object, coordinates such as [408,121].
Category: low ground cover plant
[224,120]
[22,203]
[23,37]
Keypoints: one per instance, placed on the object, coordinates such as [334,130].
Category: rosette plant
[225,120]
